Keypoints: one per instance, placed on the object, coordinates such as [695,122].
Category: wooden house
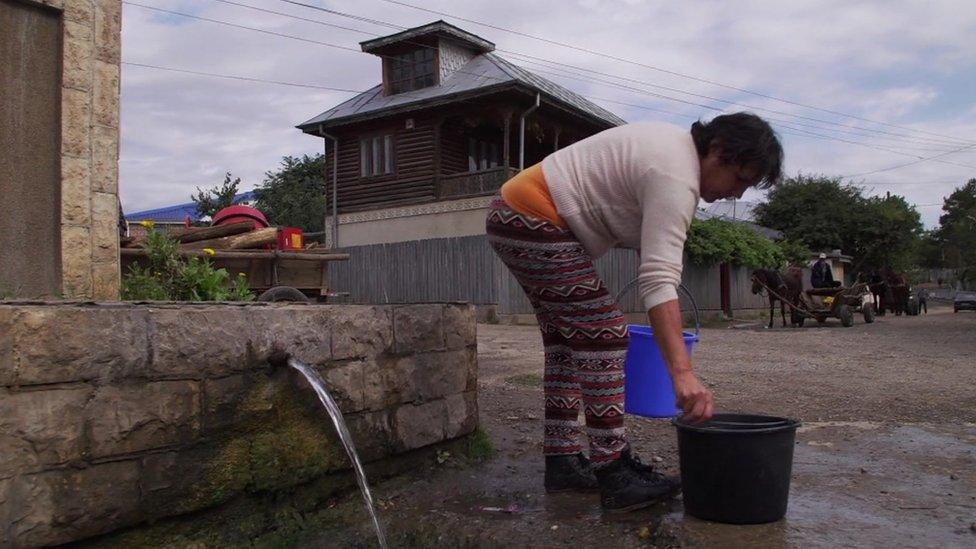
[419,155]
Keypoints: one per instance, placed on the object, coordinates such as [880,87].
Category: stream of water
[333,409]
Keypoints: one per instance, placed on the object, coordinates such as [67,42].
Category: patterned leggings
[583,331]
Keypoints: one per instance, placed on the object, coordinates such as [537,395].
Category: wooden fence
[466,269]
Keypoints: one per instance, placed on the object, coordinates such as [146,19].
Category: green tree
[294,195]
[214,199]
[823,213]
[957,230]
[889,233]
[718,241]
[818,211]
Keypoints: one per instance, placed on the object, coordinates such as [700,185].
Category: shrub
[169,277]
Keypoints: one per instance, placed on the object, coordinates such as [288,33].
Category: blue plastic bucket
[649,392]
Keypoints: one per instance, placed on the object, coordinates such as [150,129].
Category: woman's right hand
[693,398]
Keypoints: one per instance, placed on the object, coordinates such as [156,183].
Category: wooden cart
[839,302]
[272,274]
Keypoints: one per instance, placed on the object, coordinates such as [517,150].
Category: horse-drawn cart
[839,302]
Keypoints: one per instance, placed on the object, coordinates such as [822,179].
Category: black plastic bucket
[736,468]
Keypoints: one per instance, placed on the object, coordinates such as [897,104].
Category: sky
[863,89]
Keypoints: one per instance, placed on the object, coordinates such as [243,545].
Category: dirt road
[886,456]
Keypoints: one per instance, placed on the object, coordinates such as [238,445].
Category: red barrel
[238,213]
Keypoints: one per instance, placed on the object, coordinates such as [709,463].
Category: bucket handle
[682,287]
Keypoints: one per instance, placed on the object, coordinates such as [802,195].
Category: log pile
[232,236]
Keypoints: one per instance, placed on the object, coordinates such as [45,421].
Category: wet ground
[886,455]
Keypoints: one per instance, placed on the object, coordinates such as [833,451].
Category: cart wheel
[868,311]
[283,293]
[846,316]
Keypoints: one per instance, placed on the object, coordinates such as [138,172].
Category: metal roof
[440,28]
[739,209]
[771,234]
[484,74]
[179,212]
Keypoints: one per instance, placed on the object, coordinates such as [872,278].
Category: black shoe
[569,473]
[648,472]
[628,485]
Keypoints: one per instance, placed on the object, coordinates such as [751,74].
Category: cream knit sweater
[633,186]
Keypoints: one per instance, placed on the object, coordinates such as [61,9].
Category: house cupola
[424,56]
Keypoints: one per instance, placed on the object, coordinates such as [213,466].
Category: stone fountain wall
[115,414]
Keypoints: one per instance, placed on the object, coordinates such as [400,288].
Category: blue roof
[179,212]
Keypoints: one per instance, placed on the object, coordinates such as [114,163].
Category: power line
[743,105]
[282,35]
[294,16]
[920,160]
[909,138]
[225,23]
[667,71]
[244,78]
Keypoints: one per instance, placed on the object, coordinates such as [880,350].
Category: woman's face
[720,180]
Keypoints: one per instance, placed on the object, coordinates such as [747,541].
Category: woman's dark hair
[745,140]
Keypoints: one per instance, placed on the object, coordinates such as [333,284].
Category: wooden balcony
[474,183]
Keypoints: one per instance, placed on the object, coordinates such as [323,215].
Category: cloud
[905,63]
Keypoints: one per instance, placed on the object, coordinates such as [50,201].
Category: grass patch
[525,380]
[480,447]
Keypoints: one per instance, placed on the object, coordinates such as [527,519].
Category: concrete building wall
[88,130]
[448,219]
[30,138]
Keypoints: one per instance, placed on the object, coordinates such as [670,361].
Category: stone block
[345,383]
[65,505]
[81,11]
[143,416]
[221,400]
[436,375]
[75,123]
[41,428]
[191,479]
[108,31]
[105,160]
[303,331]
[76,262]
[419,425]
[360,330]
[389,381]
[79,51]
[106,281]
[462,414]
[105,103]
[460,325]
[7,364]
[206,341]
[105,228]
[418,328]
[57,344]
[75,191]
[372,435]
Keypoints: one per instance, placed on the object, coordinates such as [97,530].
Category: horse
[899,291]
[880,292]
[785,287]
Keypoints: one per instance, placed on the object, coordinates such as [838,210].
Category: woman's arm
[696,401]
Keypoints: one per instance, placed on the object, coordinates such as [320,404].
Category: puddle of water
[340,425]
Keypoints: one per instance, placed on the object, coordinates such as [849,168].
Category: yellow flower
[210,251]
[148,223]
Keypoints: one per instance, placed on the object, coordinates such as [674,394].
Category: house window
[412,71]
[482,155]
[376,155]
